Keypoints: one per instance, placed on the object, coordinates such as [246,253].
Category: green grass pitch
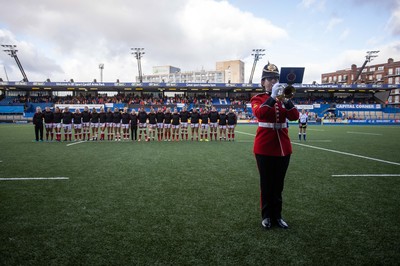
[197,203]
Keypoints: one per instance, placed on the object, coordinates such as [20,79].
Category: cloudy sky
[61,39]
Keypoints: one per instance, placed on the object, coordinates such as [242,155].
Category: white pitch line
[369,175]
[346,153]
[75,143]
[33,178]
[335,151]
[364,133]
[245,133]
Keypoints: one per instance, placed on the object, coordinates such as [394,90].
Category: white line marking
[75,143]
[364,133]
[346,153]
[245,133]
[370,175]
[334,151]
[33,178]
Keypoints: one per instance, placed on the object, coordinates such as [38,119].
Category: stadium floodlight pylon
[257,53]
[139,52]
[101,67]
[12,51]
[368,58]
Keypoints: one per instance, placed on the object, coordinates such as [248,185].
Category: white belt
[272,125]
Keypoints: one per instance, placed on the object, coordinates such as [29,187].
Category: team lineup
[160,125]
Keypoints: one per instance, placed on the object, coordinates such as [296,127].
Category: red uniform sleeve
[261,109]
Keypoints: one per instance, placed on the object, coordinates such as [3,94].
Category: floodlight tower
[368,58]
[139,52]
[12,51]
[257,53]
[101,67]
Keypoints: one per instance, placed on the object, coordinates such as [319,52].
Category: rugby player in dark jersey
[222,124]
[67,123]
[117,123]
[194,123]
[175,124]
[109,124]
[232,121]
[204,125]
[94,124]
[77,124]
[103,122]
[167,124]
[160,123]
[49,122]
[214,116]
[86,123]
[134,124]
[184,123]
[142,123]
[125,119]
[152,123]
[57,123]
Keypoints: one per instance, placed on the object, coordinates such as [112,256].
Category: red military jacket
[271,141]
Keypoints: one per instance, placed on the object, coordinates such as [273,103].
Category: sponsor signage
[358,106]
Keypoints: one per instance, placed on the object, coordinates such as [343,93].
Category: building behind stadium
[385,73]
[225,72]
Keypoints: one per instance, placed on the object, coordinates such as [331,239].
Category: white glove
[276,89]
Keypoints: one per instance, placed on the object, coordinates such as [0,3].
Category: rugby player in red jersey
[86,115]
[152,123]
[184,122]
[67,123]
[117,123]
[222,124]
[204,125]
[142,123]
[125,123]
[160,123]
[49,122]
[175,124]
[194,123]
[94,124]
[57,123]
[232,121]
[103,122]
[167,124]
[109,124]
[77,124]
[214,116]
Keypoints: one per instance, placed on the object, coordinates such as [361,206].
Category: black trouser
[39,129]
[272,171]
[133,132]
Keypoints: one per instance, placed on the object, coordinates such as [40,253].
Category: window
[390,81]
[379,77]
[397,70]
[397,80]
[372,69]
[390,71]
[381,68]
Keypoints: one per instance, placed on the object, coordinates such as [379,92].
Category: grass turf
[198,202]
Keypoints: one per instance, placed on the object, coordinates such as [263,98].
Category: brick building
[386,73]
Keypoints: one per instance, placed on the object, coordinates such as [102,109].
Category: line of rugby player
[160,125]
